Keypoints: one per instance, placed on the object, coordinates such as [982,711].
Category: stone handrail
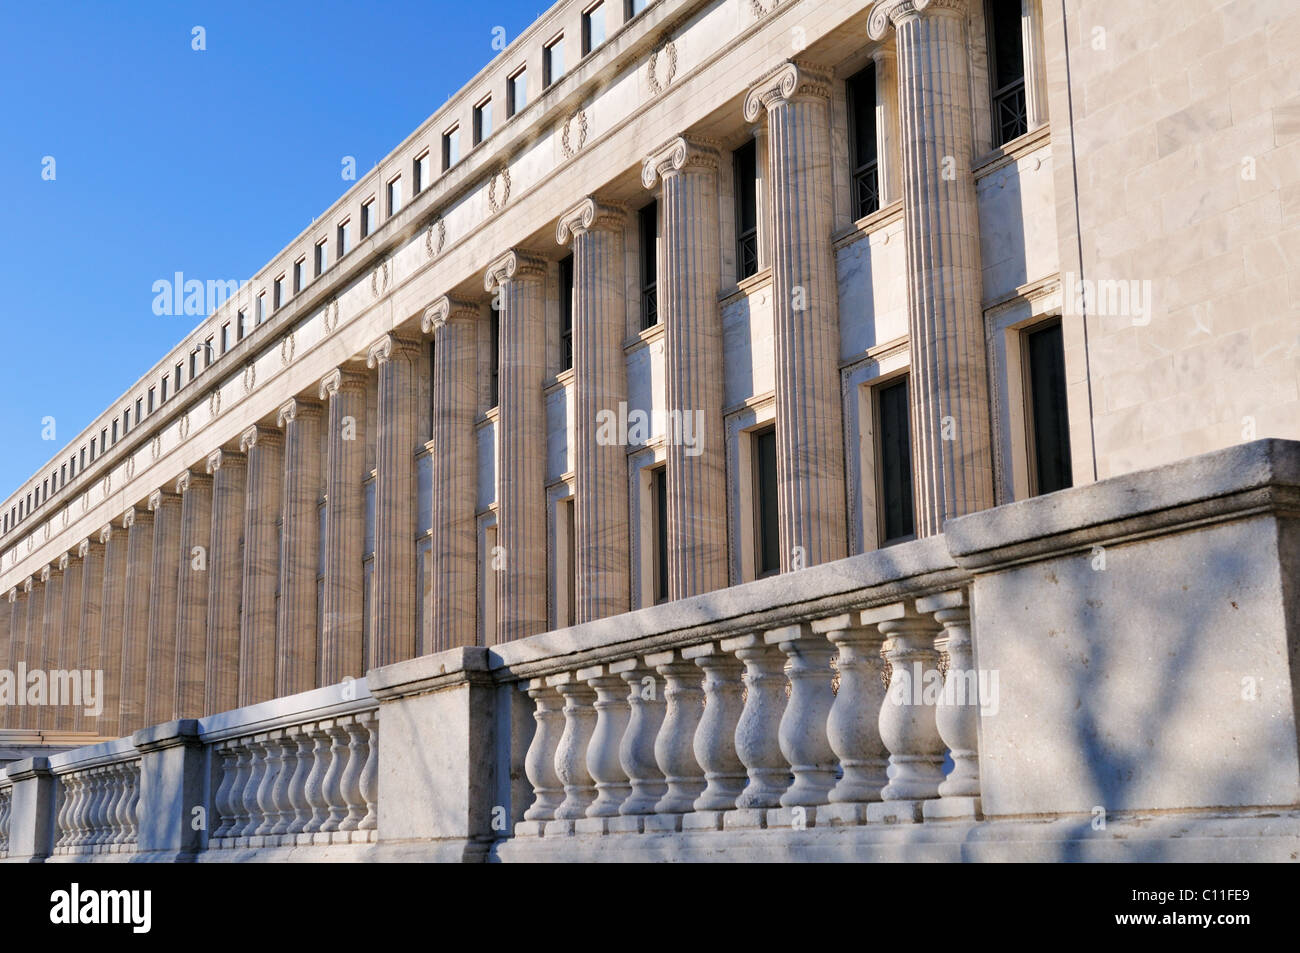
[98,794]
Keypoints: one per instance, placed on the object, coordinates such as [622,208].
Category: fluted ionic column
[113,607]
[21,646]
[34,641]
[1035,60]
[453,618]
[602,579]
[168,564]
[887,154]
[805,313]
[392,609]
[296,659]
[229,472]
[517,280]
[135,619]
[689,281]
[264,448]
[192,594]
[89,627]
[12,609]
[345,525]
[71,644]
[952,463]
[51,639]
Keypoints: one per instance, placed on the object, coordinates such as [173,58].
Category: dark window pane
[659,487]
[1006,69]
[895,461]
[1048,411]
[746,178]
[566,312]
[769,537]
[649,223]
[862,140]
[495,335]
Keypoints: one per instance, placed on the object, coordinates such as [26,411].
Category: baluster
[603,764]
[62,825]
[350,782]
[288,763]
[133,812]
[674,748]
[315,787]
[99,815]
[370,772]
[256,778]
[118,825]
[803,726]
[331,787]
[715,737]
[238,788]
[299,806]
[636,753]
[539,763]
[78,797]
[5,799]
[571,753]
[87,811]
[853,726]
[757,733]
[265,790]
[907,724]
[957,712]
[225,756]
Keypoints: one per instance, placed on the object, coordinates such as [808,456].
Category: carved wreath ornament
[379,278]
[571,148]
[434,237]
[330,316]
[658,83]
[495,203]
[287,347]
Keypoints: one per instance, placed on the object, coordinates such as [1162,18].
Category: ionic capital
[135,516]
[64,561]
[222,458]
[343,381]
[295,407]
[590,213]
[189,480]
[159,497]
[887,13]
[85,546]
[382,351]
[105,534]
[12,597]
[678,155]
[447,309]
[27,585]
[45,574]
[513,265]
[257,434]
[792,79]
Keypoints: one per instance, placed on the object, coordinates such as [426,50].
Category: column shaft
[342,648]
[135,619]
[90,627]
[192,594]
[602,581]
[689,278]
[521,438]
[396,590]
[71,643]
[113,607]
[160,675]
[296,658]
[453,607]
[264,449]
[229,472]
[47,716]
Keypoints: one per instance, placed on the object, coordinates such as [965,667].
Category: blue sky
[168,159]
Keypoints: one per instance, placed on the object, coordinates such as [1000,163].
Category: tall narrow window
[659,491]
[421,173]
[194,365]
[151,406]
[494,372]
[322,258]
[635,7]
[261,309]
[162,396]
[368,218]
[862,142]
[648,220]
[517,92]
[277,293]
[139,410]
[593,28]
[746,179]
[767,537]
[450,147]
[567,615]
[1006,70]
[299,267]
[894,461]
[395,196]
[176,371]
[115,430]
[552,62]
[566,312]
[209,352]
[482,120]
[225,346]
[345,238]
[1048,417]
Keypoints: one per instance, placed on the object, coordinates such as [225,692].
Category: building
[671,298]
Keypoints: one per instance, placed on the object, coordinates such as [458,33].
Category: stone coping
[290,710]
[106,752]
[1258,477]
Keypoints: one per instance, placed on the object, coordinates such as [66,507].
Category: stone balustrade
[1044,680]
[98,792]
